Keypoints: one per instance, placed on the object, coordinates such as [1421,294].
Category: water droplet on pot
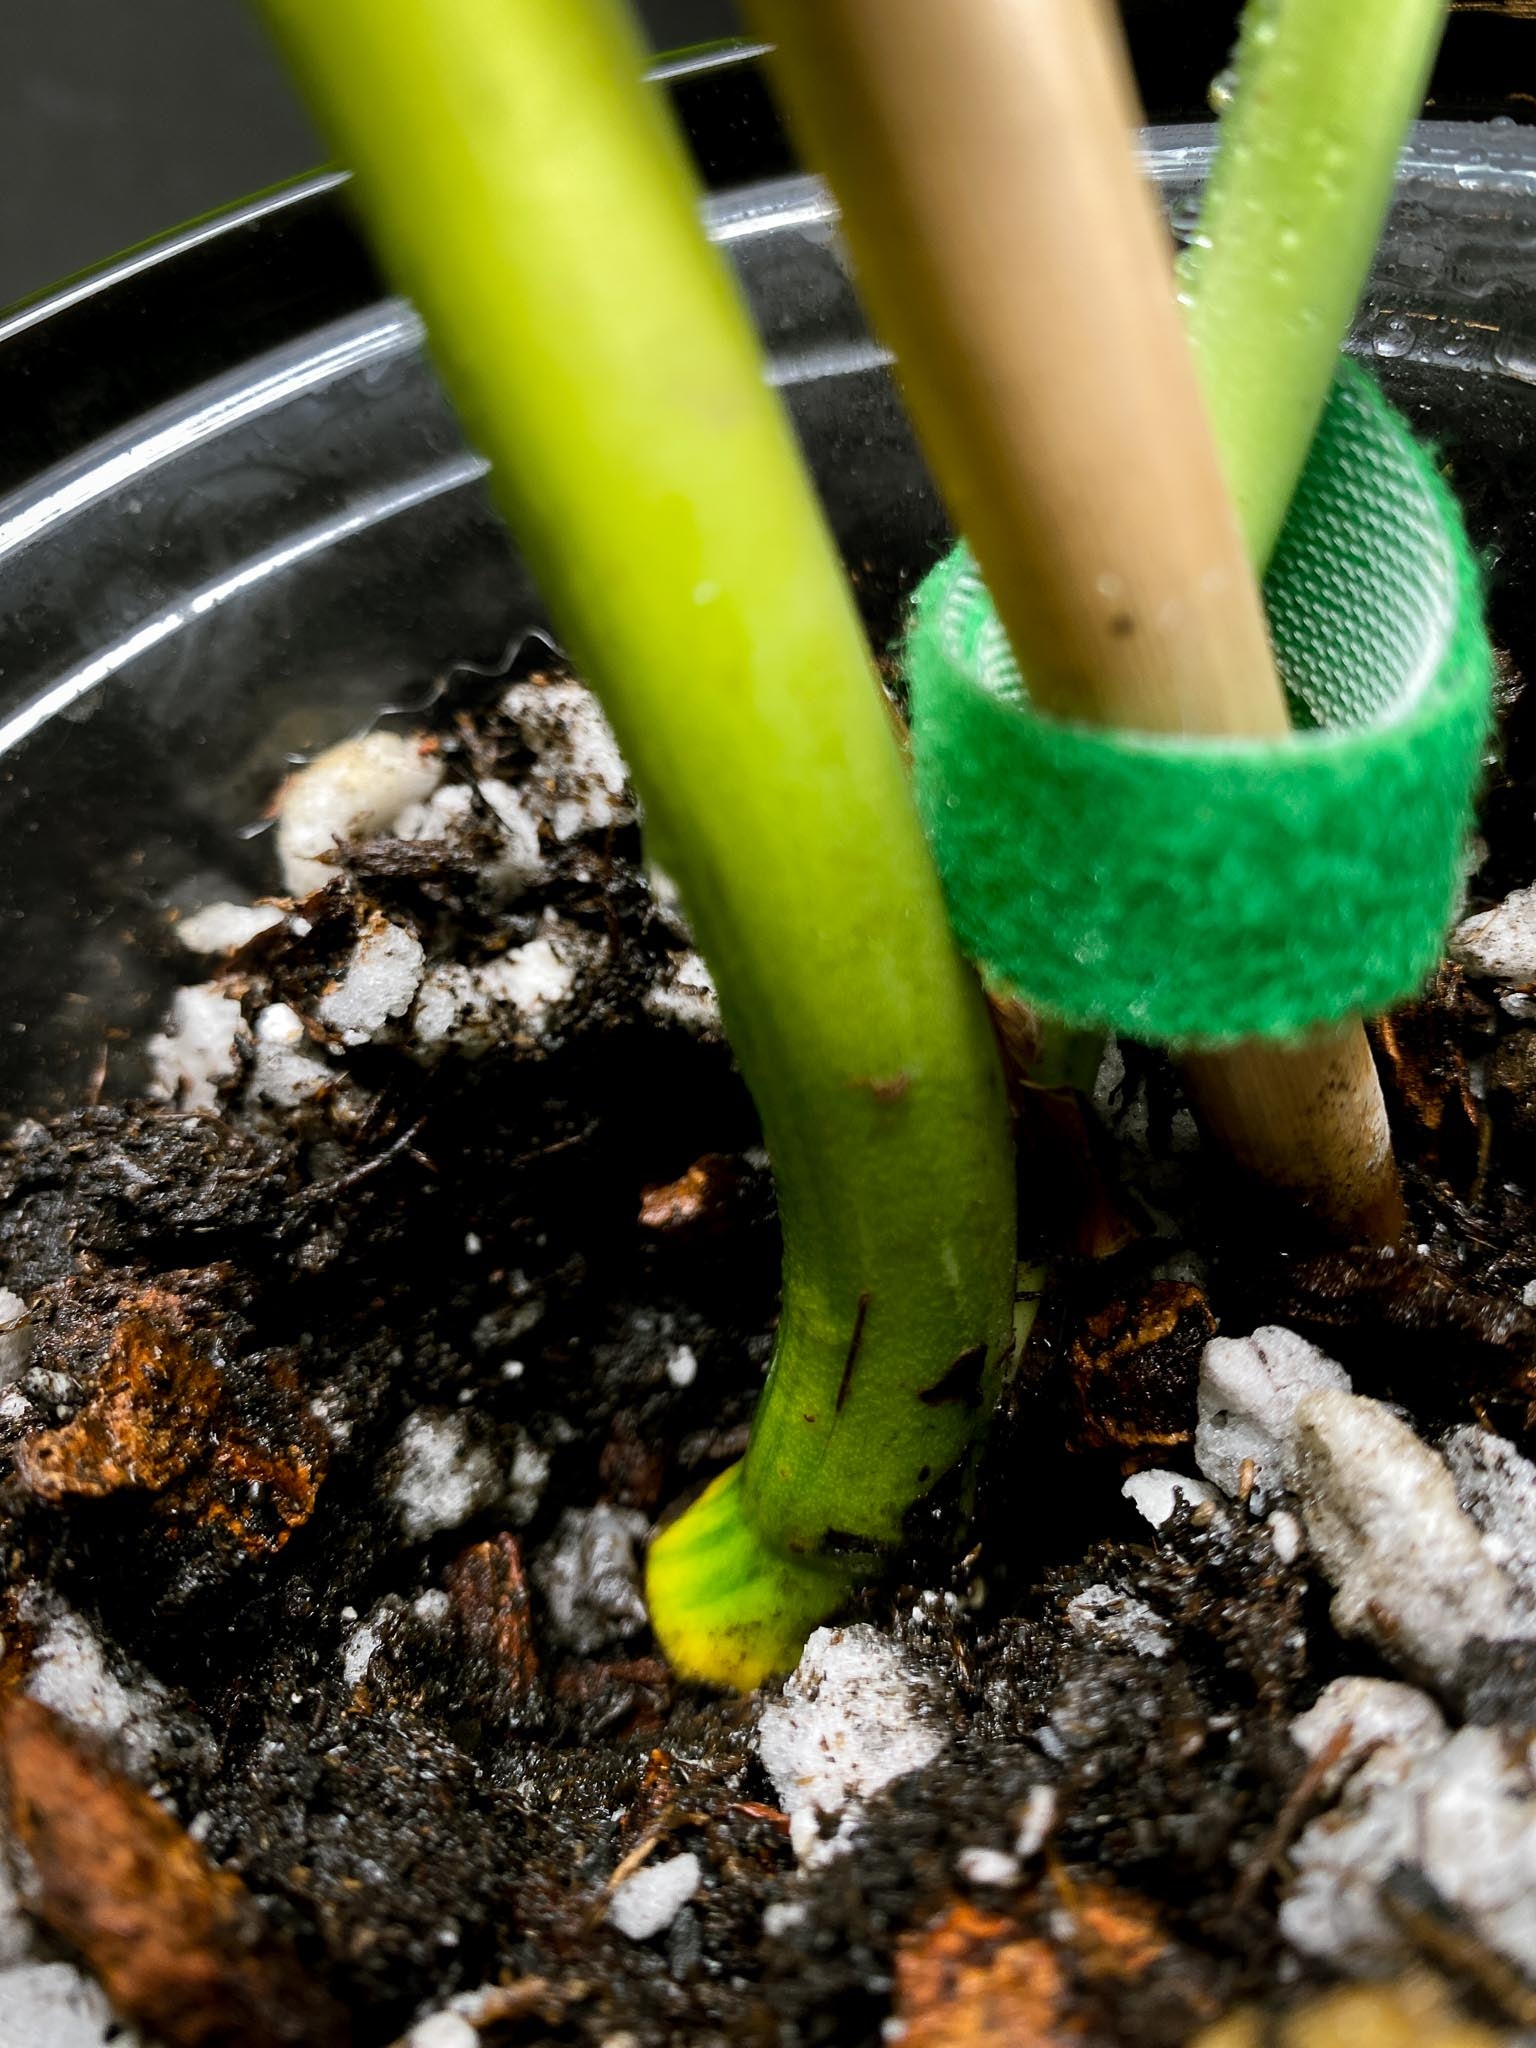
[1393,336]
[1515,355]
[1184,215]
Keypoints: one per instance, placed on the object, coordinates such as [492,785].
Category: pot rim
[215,292]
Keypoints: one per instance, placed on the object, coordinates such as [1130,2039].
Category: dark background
[122,117]
[119,118]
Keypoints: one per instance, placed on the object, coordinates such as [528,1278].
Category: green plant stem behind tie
[531,195]
[1322,93]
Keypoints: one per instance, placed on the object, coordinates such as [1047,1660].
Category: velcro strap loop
[1196,891]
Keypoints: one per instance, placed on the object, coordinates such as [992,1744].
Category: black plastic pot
[239,521]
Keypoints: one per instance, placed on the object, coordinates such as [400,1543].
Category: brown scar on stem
[962,1382]
[883,1087]
[855,1343]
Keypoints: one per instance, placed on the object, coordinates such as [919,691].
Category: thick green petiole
[1323,94]
[528,191]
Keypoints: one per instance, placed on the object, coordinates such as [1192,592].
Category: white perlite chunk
[443,1477]
[1250,1388]
[1500,943]
[1378,1724]
[223,927]
[470,1009]
[668,899]
[589,1574]
[348,792]
[987,1866]
[15,1337]
[521,863]
[649,1901]
[458,2024]
[445,814]
[684,993]
[453,816]
[533,979]
[357,1651]
[854,1717]
[443,2030]
[70,1674]
[1036,1817]
[198,1050]
[52,2005]
[1497,1488]
[1119,1622]
[526,1481]
[578,758]
[1156,1494]
[452,812]
[1459,1808]
[453,1012]
[285,1071]
[378,983]
[1409,1569]
[682,1366]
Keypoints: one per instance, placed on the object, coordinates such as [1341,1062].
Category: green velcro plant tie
[1196,891]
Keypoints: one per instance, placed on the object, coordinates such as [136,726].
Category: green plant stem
[1324,92]
[529,193]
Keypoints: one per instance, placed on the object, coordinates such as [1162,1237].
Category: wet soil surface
[352,1378]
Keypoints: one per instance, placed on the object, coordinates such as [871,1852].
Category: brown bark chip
[1135,1366]
[698,1200]
[490,1602]
[974,1980]
[180,1947]
[163,1422]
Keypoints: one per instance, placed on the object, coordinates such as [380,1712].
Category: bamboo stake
[1010,251]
